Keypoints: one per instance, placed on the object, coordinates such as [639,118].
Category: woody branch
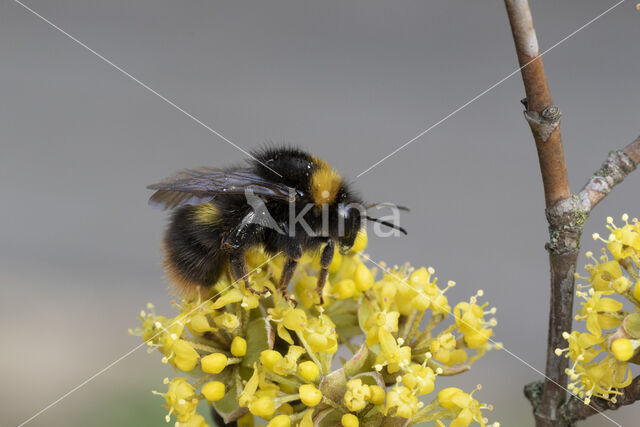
[566,213]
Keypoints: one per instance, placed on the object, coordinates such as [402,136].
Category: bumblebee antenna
[390,205]
[387,223]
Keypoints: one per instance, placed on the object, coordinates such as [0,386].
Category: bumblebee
[285,201]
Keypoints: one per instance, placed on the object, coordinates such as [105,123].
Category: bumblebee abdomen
[193,257]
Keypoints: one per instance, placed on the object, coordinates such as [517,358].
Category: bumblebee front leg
[238,265]
[235,244]
[325,262]
[294,253]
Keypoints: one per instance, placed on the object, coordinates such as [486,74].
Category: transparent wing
[195,186]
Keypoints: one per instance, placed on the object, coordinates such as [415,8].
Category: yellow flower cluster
[254,357]
[601,356]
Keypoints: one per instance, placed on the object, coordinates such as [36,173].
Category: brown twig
[544,119]
[566,213]
[543,116]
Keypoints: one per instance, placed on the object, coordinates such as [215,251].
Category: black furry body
[205,239]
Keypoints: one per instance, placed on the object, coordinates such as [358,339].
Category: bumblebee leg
[235,243]
[238,264]
[293,256]
[325,261]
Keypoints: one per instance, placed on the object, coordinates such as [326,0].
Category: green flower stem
[203,347]
[283,380]
[233,360]
[243,317]
[333,404]
[447,330]
[202,380]
[285,399]
[407,324]
[347,344]
[426,334]
[629,296]
[425,414]
[312,355]
[221,339]
[415,326]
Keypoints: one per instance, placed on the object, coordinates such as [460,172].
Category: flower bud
[310,395]
[214,363]
[269,358]
[238,347]
[350,420]
[213,391]
[345,289]
[262,407]
[308,370]
[377,395]
[363,278]
[622,349]
[280,421]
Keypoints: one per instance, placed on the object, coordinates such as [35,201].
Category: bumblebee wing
[195,186]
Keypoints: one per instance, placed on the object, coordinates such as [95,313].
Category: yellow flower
[419,378]
[290,318]
[401,402]
[227,321]
[247,299]
[321,335]
[600,379]
[393,356]
[582,346]
[275,362]
[357,395]
[250,388]
[185,357]
[470,321]
[604,274]
[443,349]
[624,241]
[603,377]
[199,324]
[597,311]
[467,409]
[196,420]
[180,399]
[381,319]
[305,289]
[291,367]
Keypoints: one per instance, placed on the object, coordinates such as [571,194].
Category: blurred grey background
[349,80]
